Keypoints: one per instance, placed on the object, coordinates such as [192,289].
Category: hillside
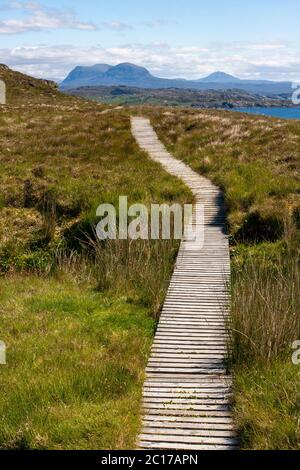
[22,89]
[135,76]
[122,95]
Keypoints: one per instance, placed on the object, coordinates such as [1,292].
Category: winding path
[187,393]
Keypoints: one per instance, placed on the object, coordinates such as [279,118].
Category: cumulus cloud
[274,61]
[37,18]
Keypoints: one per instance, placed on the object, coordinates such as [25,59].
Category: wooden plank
[216,433]
[171,401]
[221,419]
[176,446]
[190,439]
[198,426]
[214,414]
[182,392]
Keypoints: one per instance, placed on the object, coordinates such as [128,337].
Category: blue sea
[283,113]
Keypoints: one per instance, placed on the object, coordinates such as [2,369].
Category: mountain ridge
[127,74]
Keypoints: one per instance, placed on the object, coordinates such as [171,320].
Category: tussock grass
[265,322]
[267,406]
[139,269]
[265,317]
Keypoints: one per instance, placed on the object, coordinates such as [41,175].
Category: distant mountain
[220,77]
[134,76]
[125,74]
[129,73]
[85,76]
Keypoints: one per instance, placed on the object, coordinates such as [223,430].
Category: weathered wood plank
[190,439]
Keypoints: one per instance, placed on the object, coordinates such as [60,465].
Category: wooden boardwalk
[187,393]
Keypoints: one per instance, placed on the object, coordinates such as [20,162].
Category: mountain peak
[220,77]
[128,68]
[84,75]
[127,74]
[96,68]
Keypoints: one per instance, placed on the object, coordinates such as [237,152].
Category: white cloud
[159,23]
[117,26]
[243,60]
[37,18]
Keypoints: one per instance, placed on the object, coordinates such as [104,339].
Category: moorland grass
[75,361]
[267,405]
[265,323]
[78,341]
[254,159]
[54,177]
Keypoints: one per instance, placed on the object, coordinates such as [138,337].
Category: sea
[283,113]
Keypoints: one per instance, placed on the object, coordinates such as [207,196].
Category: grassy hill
[24,90]
[77,319]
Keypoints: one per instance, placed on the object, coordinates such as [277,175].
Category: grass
[61,174]
[267,405]
[265,323]
[78,340]
[254,159]
[75,365]
[265,309]
[78,317]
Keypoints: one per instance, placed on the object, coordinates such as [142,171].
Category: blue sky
[191,38]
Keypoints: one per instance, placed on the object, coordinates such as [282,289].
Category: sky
[173,39]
